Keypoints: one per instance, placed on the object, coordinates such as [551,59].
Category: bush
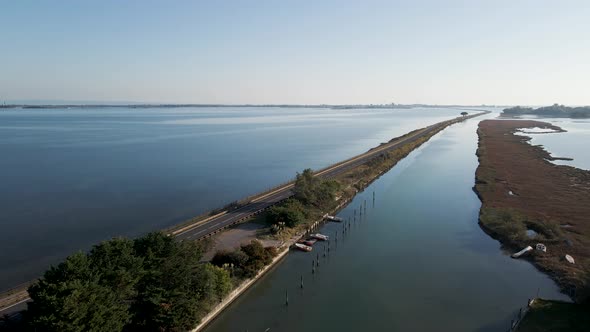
[246,261]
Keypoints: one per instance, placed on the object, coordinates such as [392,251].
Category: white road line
[17,303]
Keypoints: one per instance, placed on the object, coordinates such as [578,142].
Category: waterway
[416,260]
[72,177]
[571,144]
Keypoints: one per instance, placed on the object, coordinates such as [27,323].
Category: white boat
[332,218]
[319,236]
[570,259]
[522,252]
[303,247]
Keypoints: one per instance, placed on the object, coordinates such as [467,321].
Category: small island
[554,111]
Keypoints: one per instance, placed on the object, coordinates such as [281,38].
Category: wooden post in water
[302,281]
[286,297]
[373,198]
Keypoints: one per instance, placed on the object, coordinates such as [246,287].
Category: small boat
[303,247]
[522,252]
[320,237]
[570,259]
[332,218]
[309,242]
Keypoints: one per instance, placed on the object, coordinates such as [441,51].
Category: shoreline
[522,192]
[358,177]
[362,183]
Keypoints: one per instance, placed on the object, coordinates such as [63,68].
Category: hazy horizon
[459,53]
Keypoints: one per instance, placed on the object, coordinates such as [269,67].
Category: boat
[332,218]
[309,242]
[522,252]
[303,247]
[570,259]
[320,237]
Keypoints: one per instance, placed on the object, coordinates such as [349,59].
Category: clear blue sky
[459,52]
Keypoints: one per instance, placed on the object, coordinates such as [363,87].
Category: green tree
[305,187]
[170,291]
[291,213]
[72,297]
[154,283]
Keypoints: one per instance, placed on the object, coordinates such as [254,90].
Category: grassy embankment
[521,190]
[345,186]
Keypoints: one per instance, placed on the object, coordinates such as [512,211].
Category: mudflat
[527,200]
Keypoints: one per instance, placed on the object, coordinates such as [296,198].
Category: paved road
[204,229]
[216,223]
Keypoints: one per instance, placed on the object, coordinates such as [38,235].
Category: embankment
[353,181]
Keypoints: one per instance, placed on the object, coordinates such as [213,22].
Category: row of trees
[554,110]
[153,283]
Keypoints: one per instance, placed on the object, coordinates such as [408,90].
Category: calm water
[70,178]
[571,144]
[416,262]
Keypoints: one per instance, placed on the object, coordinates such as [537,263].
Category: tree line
[153,283]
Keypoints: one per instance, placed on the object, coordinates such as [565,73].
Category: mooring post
[286,297]
[302,281]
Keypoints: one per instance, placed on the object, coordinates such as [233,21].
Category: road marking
[342,165]
[14,304]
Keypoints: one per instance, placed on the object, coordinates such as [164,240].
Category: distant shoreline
[328,106]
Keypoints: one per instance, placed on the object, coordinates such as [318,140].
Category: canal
[415,260]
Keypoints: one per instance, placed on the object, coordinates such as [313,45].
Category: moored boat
[320,237]
[309,242]
[303,247]
[332,218]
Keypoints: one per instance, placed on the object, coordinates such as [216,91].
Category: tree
[170,291]
[291,213]
[154,283]
[72,297]
[464,113]
[305,186]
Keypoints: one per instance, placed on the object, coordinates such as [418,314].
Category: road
[204,228]
[213,225]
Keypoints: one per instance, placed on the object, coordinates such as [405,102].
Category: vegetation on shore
[521,191]
[313,197]
[555,316]
[554,111]
[153,283]
[244,262]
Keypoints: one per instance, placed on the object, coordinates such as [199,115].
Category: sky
[297,52]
